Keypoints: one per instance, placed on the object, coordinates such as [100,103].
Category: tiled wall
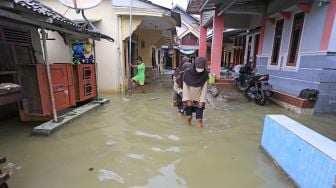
[314,72]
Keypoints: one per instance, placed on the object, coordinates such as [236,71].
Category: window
[23,54]
[6,60]
[277,41]
[295,39]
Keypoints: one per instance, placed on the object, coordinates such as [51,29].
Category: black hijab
[179,77]
[192,77]
[178,69]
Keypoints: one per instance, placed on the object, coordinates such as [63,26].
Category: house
[239,46]
[33,85]
[152,26]
[295,47]
[186,40]
[187,34]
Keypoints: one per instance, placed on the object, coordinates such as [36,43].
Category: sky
[168,3]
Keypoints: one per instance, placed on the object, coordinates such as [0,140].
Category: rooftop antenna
[80,6]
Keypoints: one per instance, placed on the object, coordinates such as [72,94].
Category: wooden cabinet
[70,83]
[85,82]
[36,97]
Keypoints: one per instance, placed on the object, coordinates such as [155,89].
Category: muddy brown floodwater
[140,141]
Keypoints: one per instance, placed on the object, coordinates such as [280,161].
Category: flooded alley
[97,79]
[140,141]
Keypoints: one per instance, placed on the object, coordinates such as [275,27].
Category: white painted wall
[332,43]
[313,28]
[311,36]
[106,52]
[268,39]
[181,30]
[58,51]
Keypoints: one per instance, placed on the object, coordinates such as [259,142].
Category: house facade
[152,26]
[187,34]
[30,85]
[296,44]
[298,52]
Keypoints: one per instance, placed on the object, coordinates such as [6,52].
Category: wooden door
[61,83]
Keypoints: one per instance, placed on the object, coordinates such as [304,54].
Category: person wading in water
[178,83]
[195,86]
[140,76]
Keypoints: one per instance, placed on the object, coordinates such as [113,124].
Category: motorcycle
[3,176]
[255,86]
[241,81]
[259,89]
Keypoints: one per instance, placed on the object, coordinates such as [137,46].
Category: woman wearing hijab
[195,86]
[178,84]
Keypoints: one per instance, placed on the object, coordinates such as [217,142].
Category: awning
[187,52]
[35,13]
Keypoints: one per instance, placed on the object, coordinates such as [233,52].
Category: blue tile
[329,62]
[328,75]
[304,163]
[312,61]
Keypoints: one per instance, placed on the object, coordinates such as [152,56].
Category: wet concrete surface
[141,141]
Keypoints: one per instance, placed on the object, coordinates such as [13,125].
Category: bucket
[212,79]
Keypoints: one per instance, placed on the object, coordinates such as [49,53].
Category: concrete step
[226,81]
[226,86]
[49,127]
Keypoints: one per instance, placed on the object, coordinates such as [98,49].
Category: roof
[176,16]
[36,8]
[150,2]
[197,6]
[250,7]
[176,6]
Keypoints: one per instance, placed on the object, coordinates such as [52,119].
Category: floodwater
[140,141]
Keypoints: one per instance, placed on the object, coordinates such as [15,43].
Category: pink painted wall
[202,41]
[217,44]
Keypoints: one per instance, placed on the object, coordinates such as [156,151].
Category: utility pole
[130,45]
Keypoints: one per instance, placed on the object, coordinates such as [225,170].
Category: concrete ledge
[305,111]
[293,100]
[307,157]
[50,127]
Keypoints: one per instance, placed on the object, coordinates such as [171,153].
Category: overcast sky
[168,3]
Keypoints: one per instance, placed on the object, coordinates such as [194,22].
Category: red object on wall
[85,82]
[305,7]
[285,14]
[271,20]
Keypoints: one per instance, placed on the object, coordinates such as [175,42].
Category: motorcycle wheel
[249,92]
[260,97]
[4,185]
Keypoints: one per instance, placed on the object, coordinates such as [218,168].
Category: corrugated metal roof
[41,9]
[35,7]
